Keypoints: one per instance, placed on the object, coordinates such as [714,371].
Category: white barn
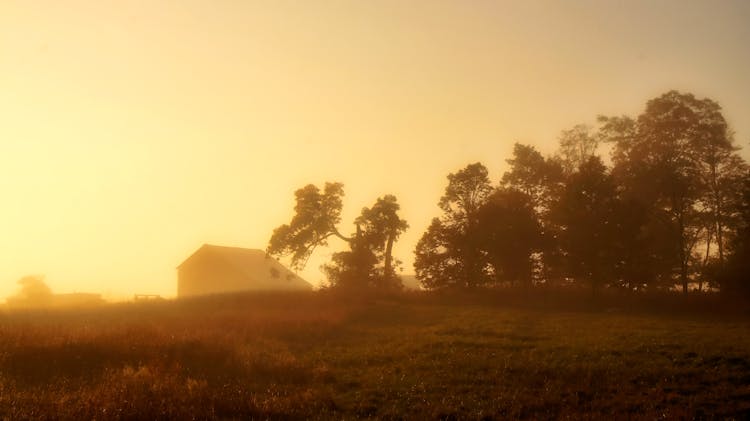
[217,269]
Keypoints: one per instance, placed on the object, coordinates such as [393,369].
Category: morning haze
[427,209]
[133,134]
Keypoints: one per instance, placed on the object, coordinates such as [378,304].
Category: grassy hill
[317,355]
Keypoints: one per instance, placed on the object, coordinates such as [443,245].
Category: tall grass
[418,356]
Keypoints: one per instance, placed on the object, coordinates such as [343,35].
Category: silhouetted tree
[662,215]
[586,212]
[534,175]
[449,252]
[734,277]
[661,159]
[542,180]
[722,173]
[354,268]
[646,242]
[577,145]
[317,215]
[381,227]
[439,260]
[643,246]
[33,292]
[510,234]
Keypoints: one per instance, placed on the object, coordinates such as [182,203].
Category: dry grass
[321,356]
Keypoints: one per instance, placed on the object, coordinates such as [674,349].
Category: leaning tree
[316,219]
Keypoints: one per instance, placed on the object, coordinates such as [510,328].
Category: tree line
[670,209]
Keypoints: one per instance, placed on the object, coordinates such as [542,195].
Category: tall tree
[534,175]
[643,246]
[658,160]
[466,192]
[646,240]
[380,227]
[439,259]
[449,252]
[510,235]
[586,212]
[721,169]
[542,180]
[734,277]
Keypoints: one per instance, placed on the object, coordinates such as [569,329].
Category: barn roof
[253,263]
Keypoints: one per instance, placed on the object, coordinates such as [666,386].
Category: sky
[133,132]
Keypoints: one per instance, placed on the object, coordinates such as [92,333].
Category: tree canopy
[369,262]
[667,212]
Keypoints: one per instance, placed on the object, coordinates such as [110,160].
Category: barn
[217,269]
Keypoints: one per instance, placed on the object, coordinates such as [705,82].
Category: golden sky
[132,132]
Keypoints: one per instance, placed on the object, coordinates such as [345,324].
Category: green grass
[321,356]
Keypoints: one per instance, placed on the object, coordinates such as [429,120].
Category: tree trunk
[709,236]
[717,212]
[388,258]
[683,257]
[719,231]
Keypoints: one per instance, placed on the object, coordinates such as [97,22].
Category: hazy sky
[132,132]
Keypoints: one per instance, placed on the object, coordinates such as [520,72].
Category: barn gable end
[217,269]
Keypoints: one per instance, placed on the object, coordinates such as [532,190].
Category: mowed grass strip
[317,356]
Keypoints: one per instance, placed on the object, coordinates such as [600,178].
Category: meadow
[327,356]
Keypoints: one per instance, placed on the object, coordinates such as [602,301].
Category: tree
[661,159]
[646,238]
[722,172]
[534,175]
[542,180]
[316,216]
[586,214]
[621,131]
[381,227]
[33,292]
[354,268]
[438,259]
[449,253]
[510,234]
[315,221]
[577,145]
[643,246]
[466,192]
[734,277]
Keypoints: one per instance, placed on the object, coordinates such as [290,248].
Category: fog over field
[333,209]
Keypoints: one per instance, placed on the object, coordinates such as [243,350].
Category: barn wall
[205,274]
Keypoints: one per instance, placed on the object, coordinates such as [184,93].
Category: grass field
[328,357]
